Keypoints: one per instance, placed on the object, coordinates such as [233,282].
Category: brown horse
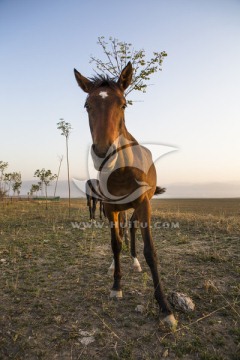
[127,174]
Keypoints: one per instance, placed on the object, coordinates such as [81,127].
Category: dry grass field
[54,284]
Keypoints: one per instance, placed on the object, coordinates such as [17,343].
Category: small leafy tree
[66,128]
[118,53]
[16,182]
[34,189]
[7,179]
[3,167]
[45,177]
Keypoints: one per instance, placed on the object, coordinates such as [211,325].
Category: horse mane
[103,80]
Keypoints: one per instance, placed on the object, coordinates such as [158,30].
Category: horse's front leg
[123,224]
[126,232]
[143,213]
[116,242]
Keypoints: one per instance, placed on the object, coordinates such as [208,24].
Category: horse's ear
[126,76]
[84,83]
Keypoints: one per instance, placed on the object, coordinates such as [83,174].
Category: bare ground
[54,284]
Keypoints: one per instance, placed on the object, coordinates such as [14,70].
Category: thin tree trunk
[46,195]
[69,188]
[61,159]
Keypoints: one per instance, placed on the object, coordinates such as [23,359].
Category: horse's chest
[121,183]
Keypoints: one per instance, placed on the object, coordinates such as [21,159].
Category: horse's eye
[124,106]
[87,107]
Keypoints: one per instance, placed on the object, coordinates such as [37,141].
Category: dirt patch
[55,285]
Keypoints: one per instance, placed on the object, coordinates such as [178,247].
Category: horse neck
[126,134]
[126,143]
[134,155]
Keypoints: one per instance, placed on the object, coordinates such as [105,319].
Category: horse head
[105,105]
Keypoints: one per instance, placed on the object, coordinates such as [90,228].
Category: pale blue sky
[194,103]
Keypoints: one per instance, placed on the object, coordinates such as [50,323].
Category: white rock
[87,340]
[165,353]
[139,308]
[84,333]
[181,302]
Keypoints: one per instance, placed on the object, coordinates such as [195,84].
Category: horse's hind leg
[144,214]
[94,208]
[89,206]
[100,208]
[88,200]
[133,228]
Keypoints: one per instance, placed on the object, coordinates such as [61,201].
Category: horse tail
[159,190]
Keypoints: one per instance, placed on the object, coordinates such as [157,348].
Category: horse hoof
[136,265]
[171,322]
[116,294]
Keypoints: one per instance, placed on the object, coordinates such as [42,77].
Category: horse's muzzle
[105,162]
